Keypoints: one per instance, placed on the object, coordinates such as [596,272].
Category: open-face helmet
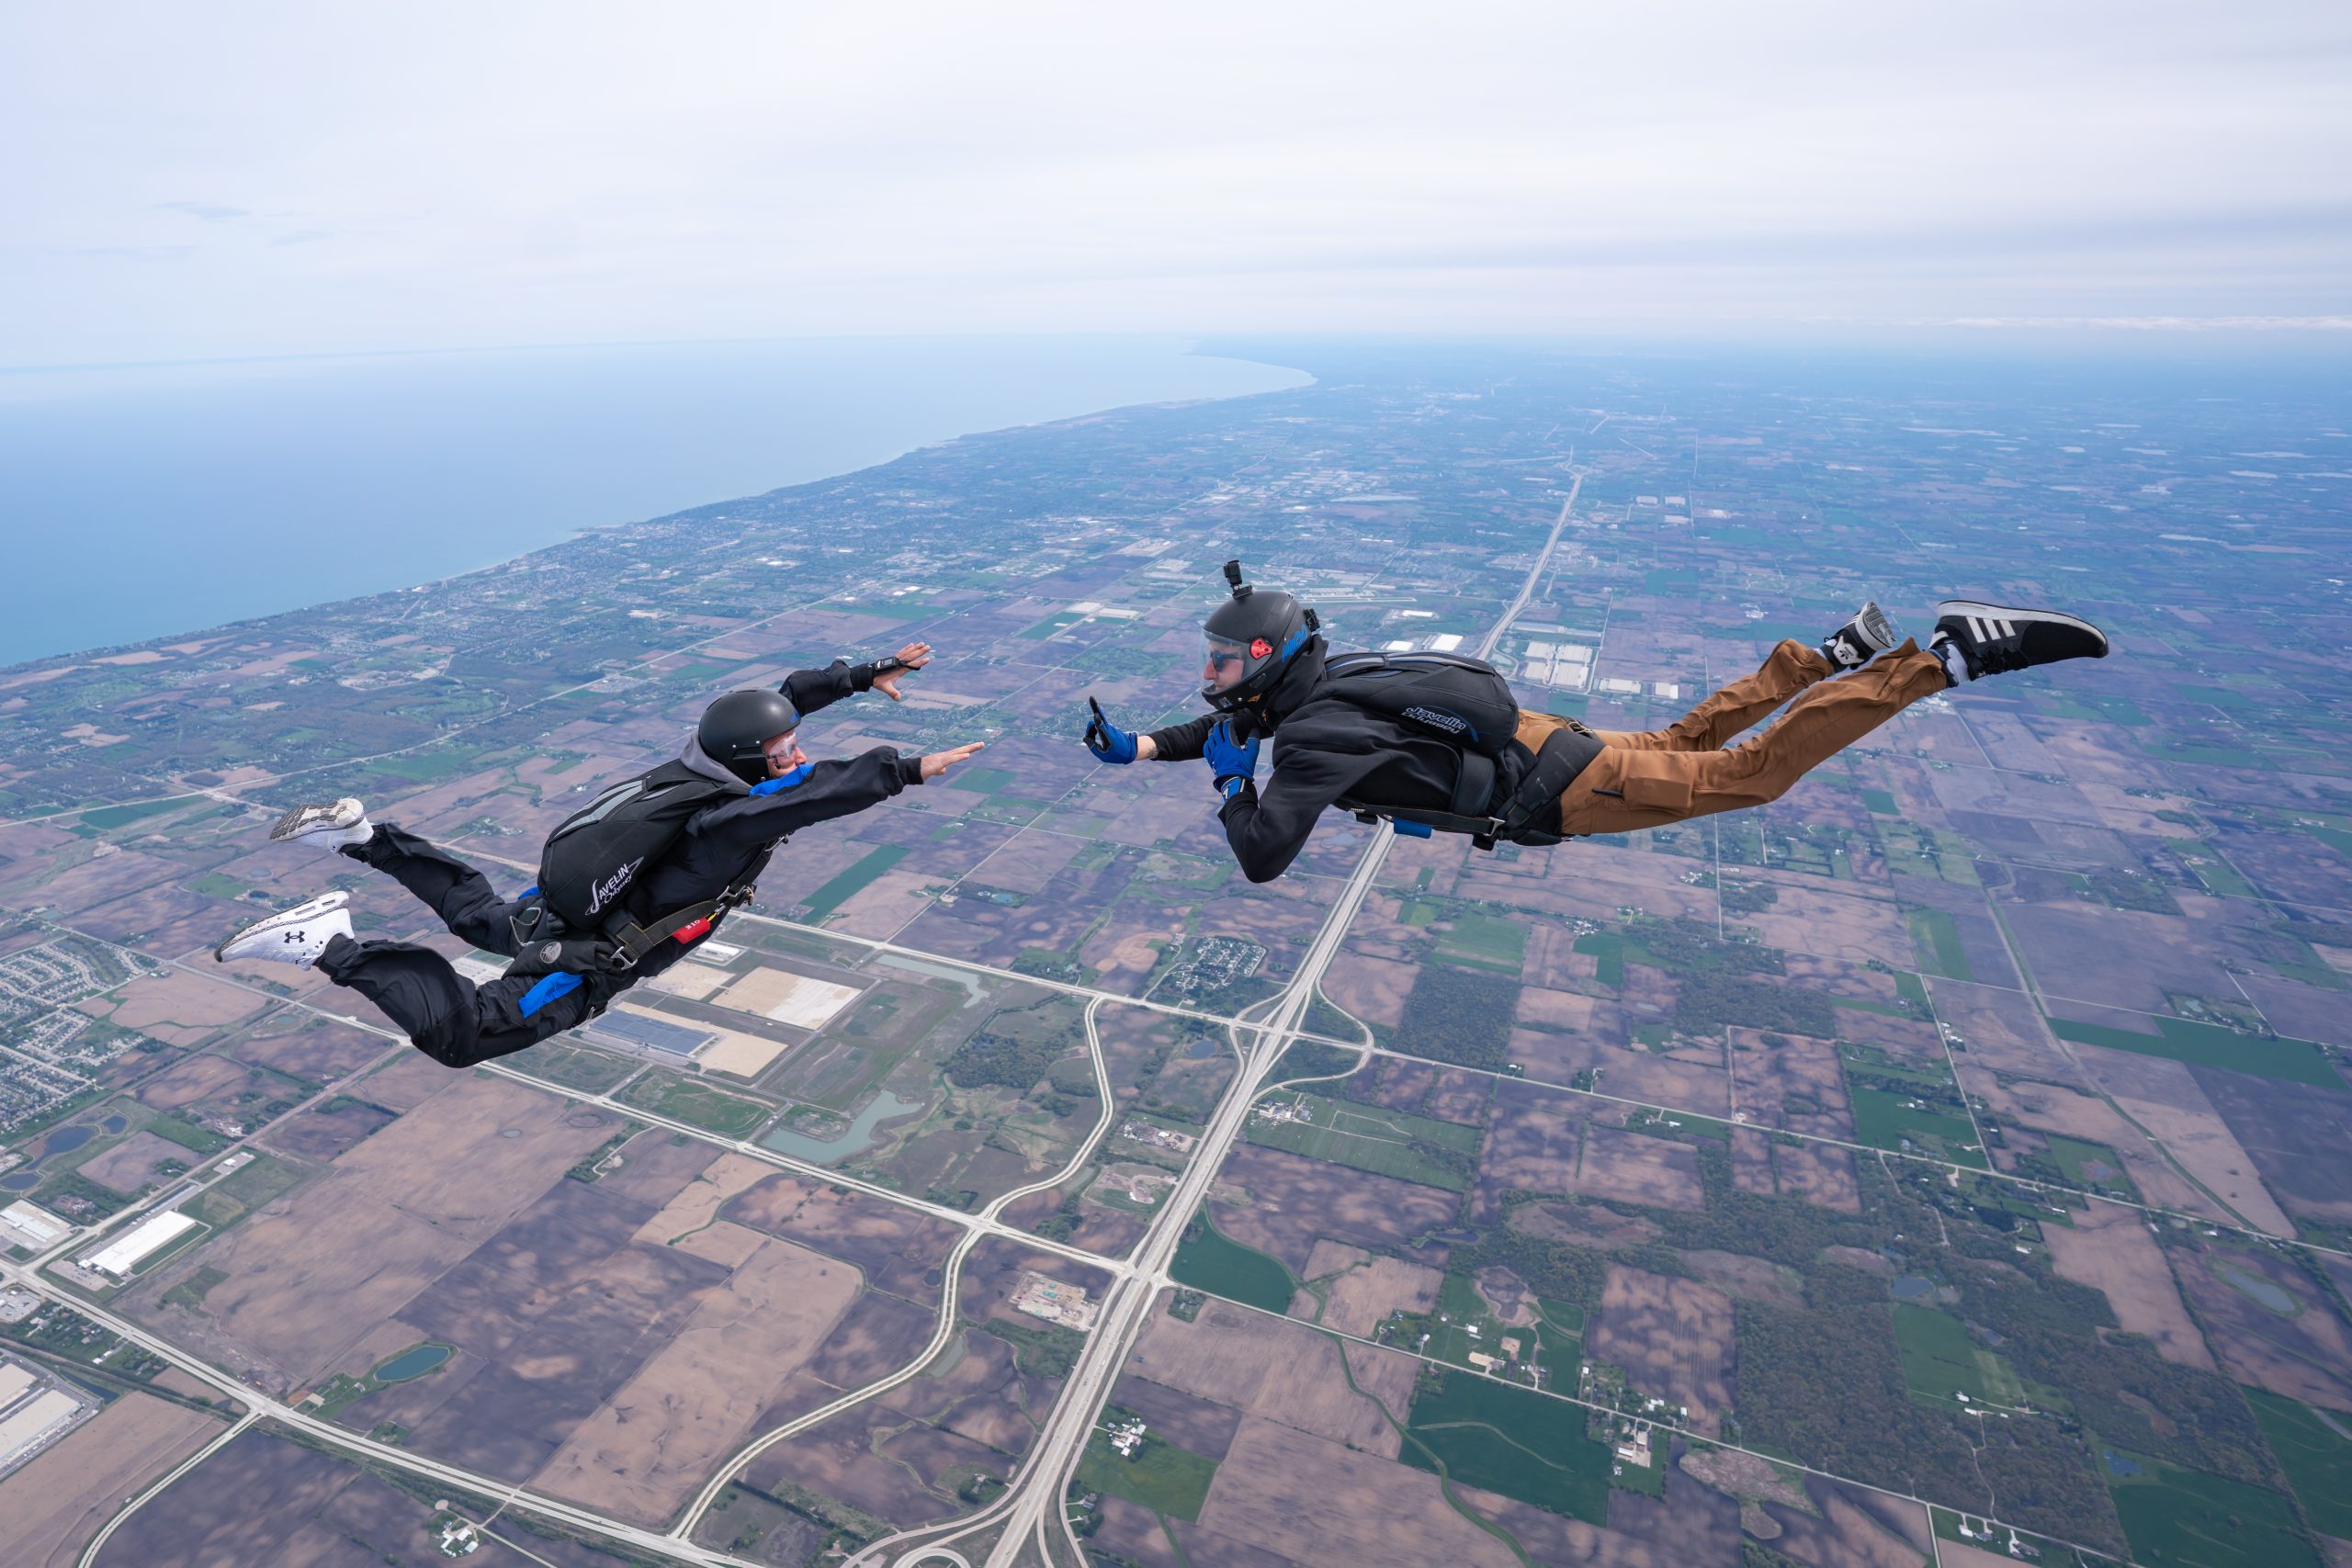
[1248,641]
[736,728]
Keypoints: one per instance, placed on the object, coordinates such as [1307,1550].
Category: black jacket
[728,844]
[1323,749]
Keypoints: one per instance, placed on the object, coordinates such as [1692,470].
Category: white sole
[325,904]
[304,820]
[2011,612]
[1871,613]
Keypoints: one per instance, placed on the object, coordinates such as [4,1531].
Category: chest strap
[631,942]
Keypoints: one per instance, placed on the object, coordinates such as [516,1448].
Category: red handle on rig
[693,931]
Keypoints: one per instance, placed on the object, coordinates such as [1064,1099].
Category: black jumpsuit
[458,1023]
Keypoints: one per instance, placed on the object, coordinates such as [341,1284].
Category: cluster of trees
[1859,1423]
[2126,891]
[1560,1270]
[1460,1016]
[1307,1059]
[2118,1385]
[1057,1226]
[1704,1002]
[1043,1350]
[1747,897]
[1682,946]
[1002,1060]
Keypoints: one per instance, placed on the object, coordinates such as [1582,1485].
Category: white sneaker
[338,823]
[294,936]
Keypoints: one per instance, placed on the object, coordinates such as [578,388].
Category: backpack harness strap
[545,945]
[1513,820]
[632,941]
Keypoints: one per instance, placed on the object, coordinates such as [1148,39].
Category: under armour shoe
[1860,640]
[342,823]
[1976,640]
[294,936]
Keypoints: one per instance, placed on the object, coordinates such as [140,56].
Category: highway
[1023,1513]
[1026,1525]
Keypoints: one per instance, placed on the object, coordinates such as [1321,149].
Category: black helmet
[735,730]
[1259,630]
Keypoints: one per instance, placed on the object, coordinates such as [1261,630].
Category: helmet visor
[1226,664]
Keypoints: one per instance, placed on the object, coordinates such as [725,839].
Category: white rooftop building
[151,1235]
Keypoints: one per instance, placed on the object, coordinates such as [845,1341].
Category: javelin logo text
[610,888]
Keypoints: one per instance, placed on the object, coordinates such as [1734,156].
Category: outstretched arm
[821,792]
[809,690]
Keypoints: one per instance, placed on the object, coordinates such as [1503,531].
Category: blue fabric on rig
[783,781]
[548,988]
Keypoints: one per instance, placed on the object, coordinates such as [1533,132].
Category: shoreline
[29,669]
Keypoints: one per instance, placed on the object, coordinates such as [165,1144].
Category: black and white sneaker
[294,936]
[341,822]
[1861,639]
[1976,641]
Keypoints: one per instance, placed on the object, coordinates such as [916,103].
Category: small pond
[2260,1288]
[413,1362]
[64,1141]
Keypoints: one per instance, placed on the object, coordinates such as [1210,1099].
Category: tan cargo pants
[1648,779]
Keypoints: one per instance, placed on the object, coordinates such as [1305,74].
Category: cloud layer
[235,179]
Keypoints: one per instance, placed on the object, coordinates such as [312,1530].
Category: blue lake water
[884,1107]
[141,502]
[413,1362]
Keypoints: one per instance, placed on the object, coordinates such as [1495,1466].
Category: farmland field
[2185,1519]
[1513,1440]
[1209,1262]
[1387,1143]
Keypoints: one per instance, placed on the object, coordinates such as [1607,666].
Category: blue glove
[1234,762]
[1107,741]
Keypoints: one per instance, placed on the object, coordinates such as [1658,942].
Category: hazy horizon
[259,181]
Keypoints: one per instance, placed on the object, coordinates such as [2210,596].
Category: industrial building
[34,1412]
[150,1235]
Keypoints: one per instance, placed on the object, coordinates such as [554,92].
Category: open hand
[912,656]
[938,762]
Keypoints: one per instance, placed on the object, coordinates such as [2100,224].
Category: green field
[981,781]
[1609,948]
[573,1066]
[1939,1359]
[2185,1519]
[2218,874]
[429,766]
[1486,942]
[1566,1317]
[1162,1477]
[1880,803]
[1210,1261]
[2210,1046]
[124,816]
[2316,1451]
[2087,1165]
[1884,1120]
[1509,1439]
[1387,1143]
[833,895]
[1938,942]
[680,1099]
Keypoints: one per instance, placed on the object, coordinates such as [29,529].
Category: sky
[231,179]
